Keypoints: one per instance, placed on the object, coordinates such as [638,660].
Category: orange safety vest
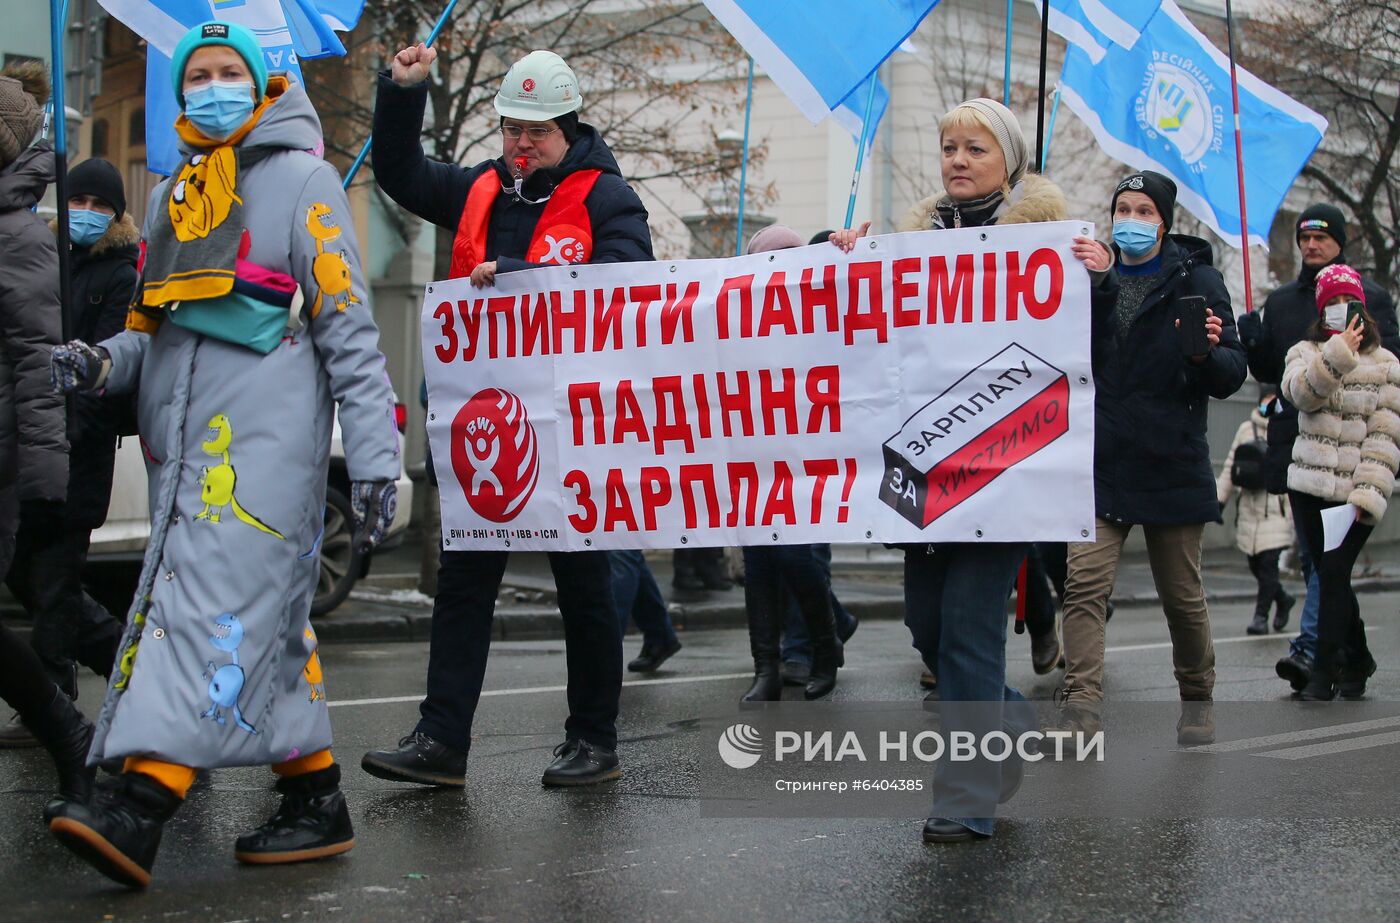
[563,235]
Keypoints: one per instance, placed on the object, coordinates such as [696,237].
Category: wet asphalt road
[640,848]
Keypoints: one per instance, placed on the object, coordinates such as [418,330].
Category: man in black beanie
[1287,314]
[51,548]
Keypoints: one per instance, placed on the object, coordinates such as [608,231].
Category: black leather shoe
[1351,682]
[850,629]
[1260,624]
[822,678]
[15,736]
[1045,652]
[1295,668]
[312,822]
[118,833]
[1285,606]
[796,672]
[1321,687]
[767,684]
[580,762]
[653,656]
[687,581]
[939,830]
[419,758]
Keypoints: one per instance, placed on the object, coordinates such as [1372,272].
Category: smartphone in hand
[1191,329]
[1355,309]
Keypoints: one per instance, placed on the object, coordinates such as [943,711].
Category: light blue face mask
[219,109]
[1135,237]
[86,227]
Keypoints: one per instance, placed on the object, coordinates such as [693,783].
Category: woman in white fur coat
[1346,387]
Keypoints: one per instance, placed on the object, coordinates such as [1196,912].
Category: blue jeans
[636,594]
[1306,642]
[955,608]
[797,646]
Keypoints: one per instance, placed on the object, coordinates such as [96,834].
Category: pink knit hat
[1337,279]
[774,237]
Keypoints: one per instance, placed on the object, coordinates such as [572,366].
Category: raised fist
[410,66]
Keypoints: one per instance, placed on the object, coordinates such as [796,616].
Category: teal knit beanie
[218,33]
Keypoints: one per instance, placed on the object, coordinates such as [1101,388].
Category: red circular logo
[528,84]
[495,454]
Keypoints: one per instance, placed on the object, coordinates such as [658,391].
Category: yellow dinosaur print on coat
[203,193]
[127,661]
[312,671]
[332,272]
[218,482]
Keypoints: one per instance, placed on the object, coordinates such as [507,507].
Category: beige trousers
[1175,556]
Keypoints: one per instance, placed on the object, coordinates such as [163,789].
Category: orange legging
[179,778]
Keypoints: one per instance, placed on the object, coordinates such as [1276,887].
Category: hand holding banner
[930,386]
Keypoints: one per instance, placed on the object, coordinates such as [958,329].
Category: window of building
[101,138]
[136,127]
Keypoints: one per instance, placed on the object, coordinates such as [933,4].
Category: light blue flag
[819,52]
[1164,105]
[1096,25]
[288,30]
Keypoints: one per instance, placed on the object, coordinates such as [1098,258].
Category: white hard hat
[537,88]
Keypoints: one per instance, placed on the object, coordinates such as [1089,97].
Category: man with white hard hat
[555,196]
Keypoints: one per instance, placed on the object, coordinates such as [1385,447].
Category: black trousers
[1264,567]
[1040,604]
[46,578]
[23,683]
[468,582]
[1341,635]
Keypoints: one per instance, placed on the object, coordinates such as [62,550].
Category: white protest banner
[930,386]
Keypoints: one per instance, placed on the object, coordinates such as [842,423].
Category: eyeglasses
[536,133]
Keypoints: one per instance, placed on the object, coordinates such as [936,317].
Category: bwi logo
[528,84]
[495,454]
[561,245]
[740,746]
[1176,107]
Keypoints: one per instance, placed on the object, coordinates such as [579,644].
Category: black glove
[373,504]
[76,366]
[1250,327]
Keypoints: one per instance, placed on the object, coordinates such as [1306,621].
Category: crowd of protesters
[1164,342]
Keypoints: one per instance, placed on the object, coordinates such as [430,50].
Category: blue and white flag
[819,52]
[1164,104]
[288,30]
[1096,25]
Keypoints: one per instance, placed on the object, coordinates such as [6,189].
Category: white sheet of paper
[1336,522]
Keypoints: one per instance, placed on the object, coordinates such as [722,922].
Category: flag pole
[860,151]
[58,20]
[1050,130]
[1006,69]
[1239,156]
[1040,96]
[364,151]
[744,165]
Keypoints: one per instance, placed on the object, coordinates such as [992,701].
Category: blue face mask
[219,109]
[1134,237]
[86,227]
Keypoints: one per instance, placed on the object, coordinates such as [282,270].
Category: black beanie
[1325,218]
[1160,189]
[96,177]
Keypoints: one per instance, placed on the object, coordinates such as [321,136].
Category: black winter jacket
[437,192]
[1151,460]
[104,282]
[1287,314]
[33,449]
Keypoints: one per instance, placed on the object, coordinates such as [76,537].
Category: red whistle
[520,164]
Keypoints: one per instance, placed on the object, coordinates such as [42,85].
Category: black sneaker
[1296,669]
[118,832]
[942,830]
[653,656]
[419,759]
[312,822]
[579,762]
